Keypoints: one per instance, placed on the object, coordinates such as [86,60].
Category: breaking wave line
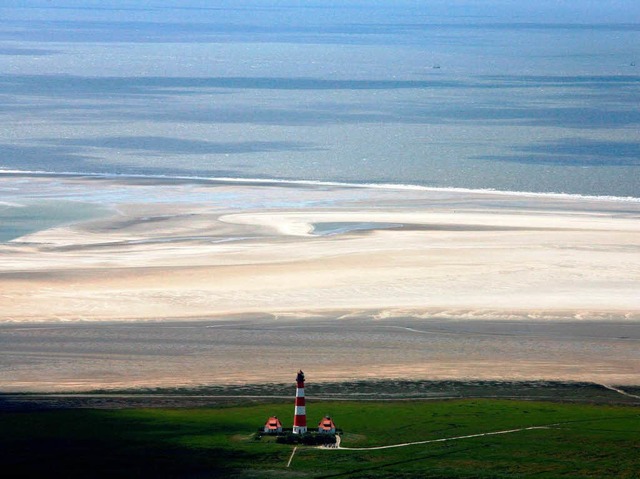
[339,184]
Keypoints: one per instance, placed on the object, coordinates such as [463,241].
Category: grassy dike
[586,441]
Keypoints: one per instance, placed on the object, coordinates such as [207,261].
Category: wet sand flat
[256,349]
[362,263]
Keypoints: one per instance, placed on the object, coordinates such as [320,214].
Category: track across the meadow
[291,457]
[457,438]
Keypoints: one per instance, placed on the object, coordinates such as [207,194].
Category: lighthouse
[300,417]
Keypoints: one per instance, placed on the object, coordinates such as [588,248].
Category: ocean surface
[509,95]
[17,220]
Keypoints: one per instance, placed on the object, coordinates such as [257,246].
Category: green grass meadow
[589,441]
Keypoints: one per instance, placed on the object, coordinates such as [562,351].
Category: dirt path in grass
[457,438]
[291,457]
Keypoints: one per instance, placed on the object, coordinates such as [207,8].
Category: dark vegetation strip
[374,390]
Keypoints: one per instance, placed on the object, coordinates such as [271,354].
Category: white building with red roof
[273,425]
[326,426]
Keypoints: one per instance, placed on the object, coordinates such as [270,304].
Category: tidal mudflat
[252,350]
[188,282]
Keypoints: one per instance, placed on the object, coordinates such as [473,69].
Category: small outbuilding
[326,426]
[273,425]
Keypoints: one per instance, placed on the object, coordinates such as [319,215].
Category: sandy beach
[466,254]
[214,251]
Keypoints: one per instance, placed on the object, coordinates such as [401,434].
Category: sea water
[514,96]
[18,220]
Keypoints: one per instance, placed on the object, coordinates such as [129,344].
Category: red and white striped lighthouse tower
[300,417]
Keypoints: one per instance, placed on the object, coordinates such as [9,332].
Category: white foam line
[620,391]
[9,204]
[380,186]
